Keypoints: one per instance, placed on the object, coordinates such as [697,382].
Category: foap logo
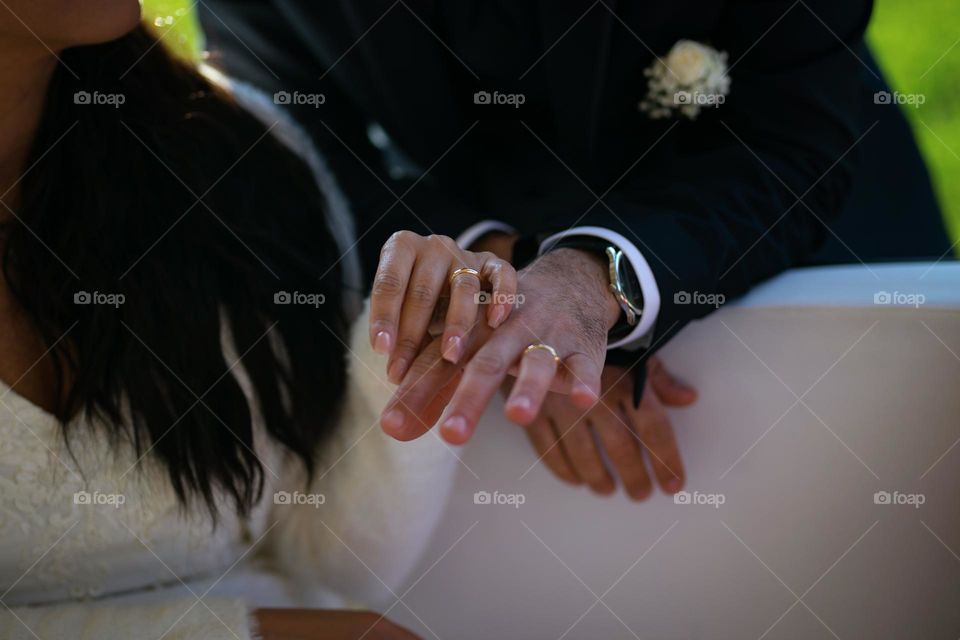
[96,498]
[887,497]
[899,299]
[512,99]
[698,98]
[912,99]
[98,297]
[511,499]
[310,299]
[696,498]
[695,297]
[296,497]
[487,297]
[96,98]
[297,98]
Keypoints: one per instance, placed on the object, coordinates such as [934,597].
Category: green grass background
[916,42]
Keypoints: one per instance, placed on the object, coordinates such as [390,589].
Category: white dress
[94,546]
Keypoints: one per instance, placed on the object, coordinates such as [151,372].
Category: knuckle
[466,283]
[440,241]
[421,296]
[488,364]
[421,368]
[407,344]
[401,237]
[387,285]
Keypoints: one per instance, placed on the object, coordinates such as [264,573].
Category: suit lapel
[408,70]
[579,31]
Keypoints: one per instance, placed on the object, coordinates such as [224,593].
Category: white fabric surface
[880,412]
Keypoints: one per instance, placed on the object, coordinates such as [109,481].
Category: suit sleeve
[750,188]
[256,42]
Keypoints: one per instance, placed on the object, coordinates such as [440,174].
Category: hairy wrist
[588,273]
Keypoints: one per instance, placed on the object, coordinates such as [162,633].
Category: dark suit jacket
[713,204]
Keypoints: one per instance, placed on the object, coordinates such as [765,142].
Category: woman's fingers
[467,295]
[461,313]
[427,282]
[389,289]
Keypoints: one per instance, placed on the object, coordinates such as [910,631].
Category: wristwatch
[624,284]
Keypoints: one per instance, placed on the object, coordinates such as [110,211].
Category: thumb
[669,390]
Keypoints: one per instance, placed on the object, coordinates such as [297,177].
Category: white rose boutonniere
[693,76]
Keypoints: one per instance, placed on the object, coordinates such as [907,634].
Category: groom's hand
[638,441]
[566,304]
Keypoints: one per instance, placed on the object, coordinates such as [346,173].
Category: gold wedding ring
[462,271]
[544,347]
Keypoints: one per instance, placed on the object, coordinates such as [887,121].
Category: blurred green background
[917,45]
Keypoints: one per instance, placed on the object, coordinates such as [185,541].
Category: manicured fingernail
[381,343]
[397,369]
[455,425]
[496,317]
[453,349]
[393,419]
[673,485]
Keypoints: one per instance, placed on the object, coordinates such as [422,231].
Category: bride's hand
[322,624]
[414,274]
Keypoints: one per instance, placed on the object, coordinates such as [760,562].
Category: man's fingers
[669,390]
[461,314]
[389,290]
[623,450]
[581,450]
[483,374]
[652,425]
[427,281]
[503,278]
[537,369]
[543,436]
[583,376]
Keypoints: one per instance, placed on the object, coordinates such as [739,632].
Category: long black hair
[155,208]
